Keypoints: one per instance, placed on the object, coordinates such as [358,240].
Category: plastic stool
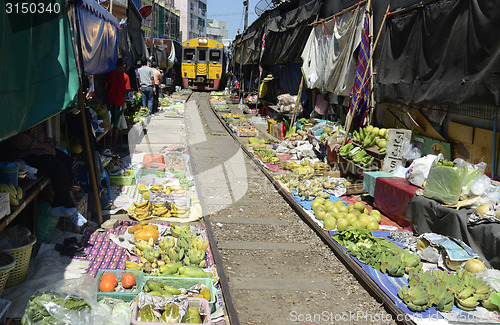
[105,177]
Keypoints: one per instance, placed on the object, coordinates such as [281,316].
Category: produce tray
[125,296]
[200,303]
[124,180]
[185,283]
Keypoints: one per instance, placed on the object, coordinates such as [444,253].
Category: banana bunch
[133,266]
[392,265]
[165,243]
[140,211]
[471,292]
[174,254]
[142,245]
[15,194]
[415,297]
[440,297]
[175,189]
[195,257]
[199,244]
[320,167]
[185,238]
[410,260]
[179,211]
[151,256]
[157,188]
[161,210]
[345,149]
[176,230]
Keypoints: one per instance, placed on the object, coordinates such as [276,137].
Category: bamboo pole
[90,157]
[297,101]
[81,106]
[349,122]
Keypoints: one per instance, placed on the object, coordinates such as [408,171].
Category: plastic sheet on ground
[47,267]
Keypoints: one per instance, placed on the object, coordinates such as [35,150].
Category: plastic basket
[23,256]
[148,177]
[200,303]
[124,180]
[4,307]
[125,296]
[7,263]
[186,283]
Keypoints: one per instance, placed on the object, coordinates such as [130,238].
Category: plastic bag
[69,302]
[419,169]
[16,236]
[411,152]
[123,122]
[473,178]
[305,151]
[444,183]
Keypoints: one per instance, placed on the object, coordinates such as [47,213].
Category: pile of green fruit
[359,156]
[378,252]
[371,136]
[335,215]
[442,290]
[425,289]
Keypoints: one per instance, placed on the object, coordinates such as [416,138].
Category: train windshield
[202,55]
[215,56]
[189,54]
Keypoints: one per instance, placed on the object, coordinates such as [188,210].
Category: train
[203,64]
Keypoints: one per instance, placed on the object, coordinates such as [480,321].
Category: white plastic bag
[123,122]
[419,169]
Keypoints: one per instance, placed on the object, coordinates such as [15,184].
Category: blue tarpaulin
[99,37]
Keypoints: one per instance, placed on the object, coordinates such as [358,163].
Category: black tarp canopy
[445,52]
[286,34]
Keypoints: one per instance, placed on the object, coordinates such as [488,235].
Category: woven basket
[22,255]
[7,263]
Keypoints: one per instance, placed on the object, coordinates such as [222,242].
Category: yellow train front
[202,64]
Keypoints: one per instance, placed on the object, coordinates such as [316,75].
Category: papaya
[134,228]
[146,314]
[192,316]
[147,233]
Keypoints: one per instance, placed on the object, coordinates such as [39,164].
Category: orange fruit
[128,280]
[107,286]
[110,277]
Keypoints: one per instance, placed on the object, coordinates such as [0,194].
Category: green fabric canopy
[38,74]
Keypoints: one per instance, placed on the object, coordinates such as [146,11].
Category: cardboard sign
[397,140]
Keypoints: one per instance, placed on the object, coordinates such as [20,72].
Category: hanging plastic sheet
[315,54]
[328,56]
[99,37]
[445,52]
[341,62]
[38,75]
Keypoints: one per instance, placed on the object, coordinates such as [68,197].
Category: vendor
[39,151]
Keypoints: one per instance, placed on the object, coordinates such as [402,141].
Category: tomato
[128,280]
[107,286]
[110,277]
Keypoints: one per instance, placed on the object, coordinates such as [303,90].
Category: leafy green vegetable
[36,311]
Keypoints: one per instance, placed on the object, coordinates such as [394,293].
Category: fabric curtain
[99,37]
[446,52]
[38,74]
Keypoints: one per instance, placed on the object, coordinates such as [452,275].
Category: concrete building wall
[193,16]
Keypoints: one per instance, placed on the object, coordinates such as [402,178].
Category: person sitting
[41,152]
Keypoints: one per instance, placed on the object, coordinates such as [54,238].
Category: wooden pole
[90,157]
[297,101]
[356,103]
[81,100]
